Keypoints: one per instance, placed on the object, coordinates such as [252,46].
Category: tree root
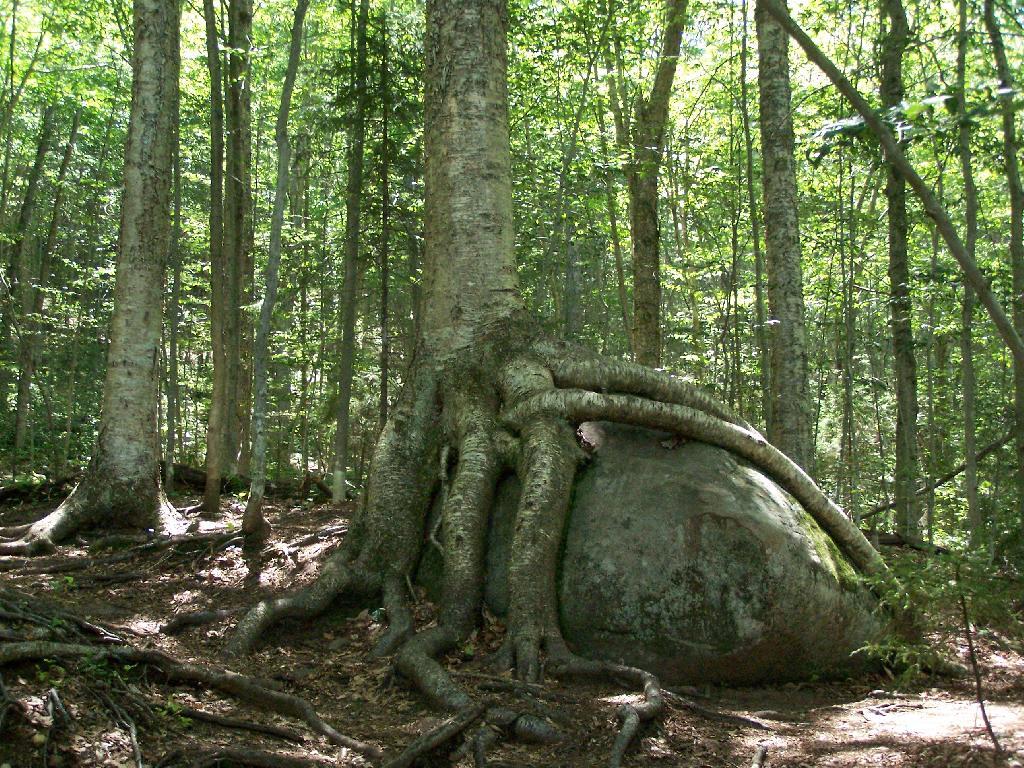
[434,739]
[277,731]
[228,757]
[474,425]
[631,716]
[230,683]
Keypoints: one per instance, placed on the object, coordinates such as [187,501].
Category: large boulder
[685,560]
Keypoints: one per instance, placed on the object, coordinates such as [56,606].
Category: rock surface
[686,561]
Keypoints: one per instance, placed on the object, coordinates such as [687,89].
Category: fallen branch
[437,737]
[978,690]
[196,619]
[942,479]
[231,683]
[242,725]
[759,757]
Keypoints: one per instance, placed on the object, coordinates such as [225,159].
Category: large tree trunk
[121,487]
[900,306]
[789,420]
[1016,189]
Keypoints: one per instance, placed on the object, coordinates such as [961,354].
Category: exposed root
[631,716]
[306,603]
[85,507]
[277,731]
[580,405]
[230,683]
[400,620]
[228,757]
[434,739]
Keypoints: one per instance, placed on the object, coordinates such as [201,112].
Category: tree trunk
[15,286]
[760,328]
[121,487]
[894,42]
[932,207]
[32,288]
[385,223]
[647,145]
[1016,190]
[347,315]
[219,400]
[967,378]
[789,421]
[173,312]
[254,525]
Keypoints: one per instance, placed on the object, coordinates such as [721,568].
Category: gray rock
[690,563]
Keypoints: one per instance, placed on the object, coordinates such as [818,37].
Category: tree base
[508,406]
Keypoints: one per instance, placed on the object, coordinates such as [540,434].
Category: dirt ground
[124,715]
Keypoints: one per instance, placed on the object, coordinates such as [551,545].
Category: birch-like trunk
[789,421]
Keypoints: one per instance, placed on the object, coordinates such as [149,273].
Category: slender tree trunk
[611,203]
[254,526]
[648,138]
[347,315]
[760,328]
[219,400]
[385,223]
[32,285]
[894,43]
[968,382]
[789,421]
[1016,190]
[15,284]
[237,230]
[173,312]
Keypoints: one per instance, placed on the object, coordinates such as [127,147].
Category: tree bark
[253,523]
[385,223]
[347,314]
[219,400]
[121,487]
[894,43]
[1011,166]
[789,422]
[173,317]
[647,146]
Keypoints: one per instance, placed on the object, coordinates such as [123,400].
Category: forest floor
[876,721]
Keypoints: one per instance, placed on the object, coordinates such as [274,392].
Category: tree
[641,136]
[905,367]
[487,394]
[789,420]
[121,487]
[347,314]
[253,523]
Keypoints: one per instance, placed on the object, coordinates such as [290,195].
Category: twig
[760,757]
[978,691]
[195,619]
[243,725]
[437,737]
